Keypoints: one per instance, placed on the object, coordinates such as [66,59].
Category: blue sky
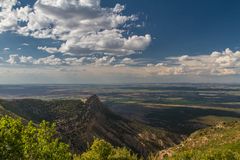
[187,26]
[119,41]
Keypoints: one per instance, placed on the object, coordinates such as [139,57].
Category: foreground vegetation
[18,141]
[23,142]
[221,142]
[30,142]
[79,122]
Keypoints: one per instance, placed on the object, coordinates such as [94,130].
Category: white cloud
[118,8]
[201,68]
[26,59]
[120,65]
[150,65]
[25,44]
[83,26]
[76,61]
[6,49]
[137,42]
[9,17]
[127,61]
[105,61]
[50,60]
[7,4]
[16,59]
[72,61]
[48,49]
[157,65]
[216,63]
[13,59]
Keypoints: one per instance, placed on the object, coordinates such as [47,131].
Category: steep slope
[3,112]
[219,142]
[80,122]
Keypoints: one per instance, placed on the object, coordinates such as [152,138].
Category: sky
[119,41]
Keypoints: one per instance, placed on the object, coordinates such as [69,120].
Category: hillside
[79,122]
[219,142]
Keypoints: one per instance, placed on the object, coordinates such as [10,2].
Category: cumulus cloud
[137,42]
[25,44]
[77,61]
[105,61]
[7,5]
[48,49]
[10,18]
[216,63]
[16,59]
[83,26]
[50,60]
[127,61]
[6,49]
[56,61]
[26,59]
[13,59]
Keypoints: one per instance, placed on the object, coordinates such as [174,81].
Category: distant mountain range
[79,122]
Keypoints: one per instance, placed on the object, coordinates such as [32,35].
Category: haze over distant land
[121,41]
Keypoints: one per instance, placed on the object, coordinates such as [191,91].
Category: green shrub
[30,142]
[225,152]
[102,150]
[18,141]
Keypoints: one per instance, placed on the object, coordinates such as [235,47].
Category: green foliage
[221,153]
[11,145]
[224,152]
[102,150]
[28,142]
[123,154]
[221,142]
[18,141]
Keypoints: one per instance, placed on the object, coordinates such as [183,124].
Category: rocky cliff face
[94,103]
[79,122]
